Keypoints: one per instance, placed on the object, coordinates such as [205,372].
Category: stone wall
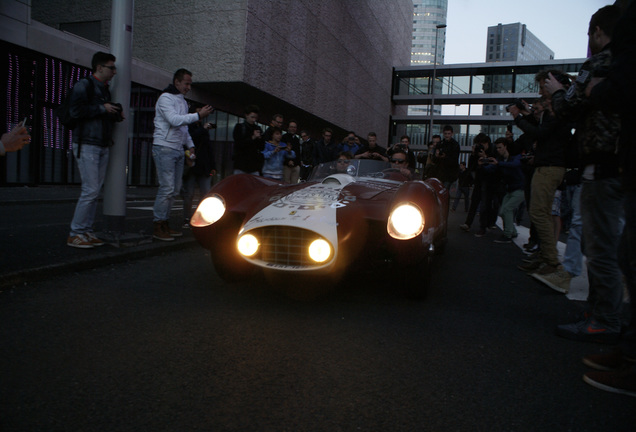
[330,58]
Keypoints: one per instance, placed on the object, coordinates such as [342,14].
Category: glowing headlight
[319,250]
[405,222]
[209,211]
[248,245]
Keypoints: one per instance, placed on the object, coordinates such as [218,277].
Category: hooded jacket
[172,120]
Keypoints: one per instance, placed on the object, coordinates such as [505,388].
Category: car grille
[286,246]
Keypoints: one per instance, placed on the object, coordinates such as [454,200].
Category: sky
[560,24]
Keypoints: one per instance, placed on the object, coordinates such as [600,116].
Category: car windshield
[352,167]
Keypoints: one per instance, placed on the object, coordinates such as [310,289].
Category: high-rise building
[512,43]
[428,46]
[427,14]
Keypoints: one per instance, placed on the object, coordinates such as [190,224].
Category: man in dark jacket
[90,103]
[513,178]
[616,371]
[601,193]
[325,149]
[446,158]
[248,158]
[198,171]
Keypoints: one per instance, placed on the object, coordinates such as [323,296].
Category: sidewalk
[34,224]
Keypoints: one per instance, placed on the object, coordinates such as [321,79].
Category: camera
[516,103]
[484,161]
[422,156]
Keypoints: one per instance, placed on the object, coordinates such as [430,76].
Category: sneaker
[503,239]
[493,227]
[532,250]
[558,280]
[480,233]
[160,233]
[79,241]
[608,361]
[532,257]
[531,266]
[621,381]
[549,269]
[588,330]
[93,239]
[530,245]
[170,231]
[465,227]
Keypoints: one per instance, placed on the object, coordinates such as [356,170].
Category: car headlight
[248,245]
[209,211]
[320,250]
[405,221]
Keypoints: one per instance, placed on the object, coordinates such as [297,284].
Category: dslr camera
[516,103]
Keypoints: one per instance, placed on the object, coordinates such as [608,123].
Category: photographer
[90,103]
[446,158]
[482,147]
[513,178]
[403,145]
[551,134]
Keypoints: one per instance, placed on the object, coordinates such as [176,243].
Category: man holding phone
[91,104]
[14,140]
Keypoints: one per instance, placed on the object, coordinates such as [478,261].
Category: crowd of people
[581,182]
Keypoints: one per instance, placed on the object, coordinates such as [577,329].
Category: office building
[428,45]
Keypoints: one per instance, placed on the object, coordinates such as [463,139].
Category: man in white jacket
[170,140]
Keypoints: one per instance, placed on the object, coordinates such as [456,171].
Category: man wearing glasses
[91,104]
[399,161]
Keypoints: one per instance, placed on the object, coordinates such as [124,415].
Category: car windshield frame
[357,168]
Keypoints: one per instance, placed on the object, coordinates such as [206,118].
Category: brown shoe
[171,232]
[160,233]
[79,241]
[607,361]
[621,381]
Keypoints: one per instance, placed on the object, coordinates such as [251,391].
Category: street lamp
[430,129]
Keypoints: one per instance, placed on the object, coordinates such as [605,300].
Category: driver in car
[343,162]
[400,163]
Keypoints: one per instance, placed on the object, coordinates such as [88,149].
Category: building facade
[429,42]
[322,63]
[512,42]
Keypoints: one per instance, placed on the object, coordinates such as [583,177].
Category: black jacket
[95,124]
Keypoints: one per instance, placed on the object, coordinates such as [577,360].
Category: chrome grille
[287,246]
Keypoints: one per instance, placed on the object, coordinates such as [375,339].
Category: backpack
[63,112]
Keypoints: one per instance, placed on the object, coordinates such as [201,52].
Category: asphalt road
[162,344]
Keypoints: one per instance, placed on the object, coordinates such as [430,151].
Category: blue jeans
[465,191]
[602,213]
[169,163]
[509,203]
[92,165]
[573,257]
[627,262]
[187,191]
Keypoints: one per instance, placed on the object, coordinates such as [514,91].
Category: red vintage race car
[368,216]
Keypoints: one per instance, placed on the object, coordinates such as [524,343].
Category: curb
[113,256]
